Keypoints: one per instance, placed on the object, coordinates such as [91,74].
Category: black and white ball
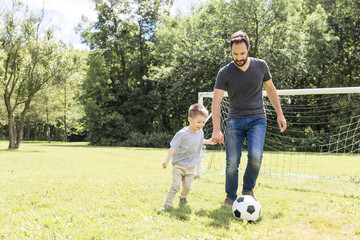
[246,208]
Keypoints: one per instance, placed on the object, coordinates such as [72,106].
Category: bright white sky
[66,14]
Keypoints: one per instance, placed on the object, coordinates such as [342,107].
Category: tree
[122,35]
[106,126]
[344,22]
[30,60]
[46,116]
[45,110]
[155,64]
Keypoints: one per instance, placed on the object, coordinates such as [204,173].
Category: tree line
[146,65]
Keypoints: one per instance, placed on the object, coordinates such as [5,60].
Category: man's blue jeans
[253,129]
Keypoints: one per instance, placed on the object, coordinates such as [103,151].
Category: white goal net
[322,138]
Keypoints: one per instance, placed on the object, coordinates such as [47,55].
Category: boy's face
[196,123]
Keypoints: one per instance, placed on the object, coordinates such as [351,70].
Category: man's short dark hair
[239,37]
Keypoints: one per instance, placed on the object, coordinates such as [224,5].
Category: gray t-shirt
[244,88]
[188,146]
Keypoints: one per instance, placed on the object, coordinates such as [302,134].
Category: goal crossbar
[306,91]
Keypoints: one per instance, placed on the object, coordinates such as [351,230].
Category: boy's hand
[210,142]
[171,152]
[164,165]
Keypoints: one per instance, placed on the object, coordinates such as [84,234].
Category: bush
[153,140]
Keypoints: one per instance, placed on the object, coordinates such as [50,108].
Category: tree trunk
[12,131]
[35,130]
[65,113]
[28,130]
[14,136]
[47,125]
[11,122]
[19,135]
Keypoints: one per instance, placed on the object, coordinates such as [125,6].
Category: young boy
[185,153]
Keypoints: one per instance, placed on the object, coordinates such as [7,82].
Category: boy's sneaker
[228,201]
[183,201]
[167,207]
[252,193]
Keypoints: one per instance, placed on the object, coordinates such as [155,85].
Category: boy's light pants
[180,174]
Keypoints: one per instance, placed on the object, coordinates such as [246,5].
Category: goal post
[320,121]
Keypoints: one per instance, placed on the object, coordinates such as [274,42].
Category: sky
[64,15]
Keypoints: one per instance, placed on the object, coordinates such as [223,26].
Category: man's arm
[217,135]
[274,99]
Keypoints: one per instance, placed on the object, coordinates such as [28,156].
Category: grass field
[75,191]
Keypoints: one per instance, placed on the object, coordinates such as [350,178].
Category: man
[243,79]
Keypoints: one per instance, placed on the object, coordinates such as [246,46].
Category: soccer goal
[322,138]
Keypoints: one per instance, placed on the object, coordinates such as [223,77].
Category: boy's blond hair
[198,109]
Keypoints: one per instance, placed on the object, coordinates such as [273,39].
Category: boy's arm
[171,153]
[209,141]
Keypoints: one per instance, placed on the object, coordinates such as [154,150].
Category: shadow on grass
[70,145]
[8,150]
[20,150]
[181,213]
[221,217]
[38,144]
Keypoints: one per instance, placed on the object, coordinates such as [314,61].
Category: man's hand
[282,123]
[217,137]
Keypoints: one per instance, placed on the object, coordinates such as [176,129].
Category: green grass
[75,191]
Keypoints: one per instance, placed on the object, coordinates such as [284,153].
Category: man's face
[239,53]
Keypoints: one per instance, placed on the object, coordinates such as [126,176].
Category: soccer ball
[247,208]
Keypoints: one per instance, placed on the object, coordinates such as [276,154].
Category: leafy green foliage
[31,60]
[157,62]
[99,105]
[118,97]
[153,140]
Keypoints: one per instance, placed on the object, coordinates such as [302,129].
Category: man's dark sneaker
[228,201]
[252,193]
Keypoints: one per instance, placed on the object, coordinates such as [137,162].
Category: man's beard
[241,63]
